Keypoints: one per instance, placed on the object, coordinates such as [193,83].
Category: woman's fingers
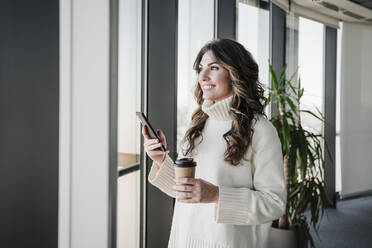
[145,133]
[184,195]
[185,180]
[150,142]
[184,192]
[153,147]
[201,190]
[156,153]
[162,137]
[184,188]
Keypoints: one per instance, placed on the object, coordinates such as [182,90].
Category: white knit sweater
[251,195]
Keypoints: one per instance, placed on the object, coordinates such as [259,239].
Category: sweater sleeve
[162,177]
[267,200]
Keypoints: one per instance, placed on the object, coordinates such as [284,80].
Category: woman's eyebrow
[214,62]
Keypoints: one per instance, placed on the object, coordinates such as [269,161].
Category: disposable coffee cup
[185,167]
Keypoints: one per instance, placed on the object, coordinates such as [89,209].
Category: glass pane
[338,111]
[129,97]
[304,51]
[253,32]
[338,165]
[292,45]
[195,28]
[129,101]
[338,81]
[128,205]
[310,58]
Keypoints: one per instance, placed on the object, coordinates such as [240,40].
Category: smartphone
[150,130]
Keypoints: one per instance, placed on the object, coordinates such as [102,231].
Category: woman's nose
[203,76]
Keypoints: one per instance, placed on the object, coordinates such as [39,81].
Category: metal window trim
[128,169]
[277,39]
[113,124]
[143,167]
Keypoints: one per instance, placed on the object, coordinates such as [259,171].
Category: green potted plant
[303,161]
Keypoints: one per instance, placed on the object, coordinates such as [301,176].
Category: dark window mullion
[277,43]
[225,19]
[330,75]
[161,102]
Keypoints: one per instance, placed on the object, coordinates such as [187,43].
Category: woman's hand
[152,146]
[195,190]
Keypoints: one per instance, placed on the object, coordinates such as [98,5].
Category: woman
[239,186]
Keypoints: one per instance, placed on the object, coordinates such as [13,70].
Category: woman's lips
[208,86]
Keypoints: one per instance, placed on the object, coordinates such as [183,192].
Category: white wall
[356,108]
[84,124]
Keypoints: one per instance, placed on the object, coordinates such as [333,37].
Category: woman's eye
[214,68]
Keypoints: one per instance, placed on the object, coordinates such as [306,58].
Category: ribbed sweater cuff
[232,206]
[163,177]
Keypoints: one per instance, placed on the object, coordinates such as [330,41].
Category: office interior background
[74,72]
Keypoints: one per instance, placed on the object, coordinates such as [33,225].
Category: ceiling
[365,3]
[344,10]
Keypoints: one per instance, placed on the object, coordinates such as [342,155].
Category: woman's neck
[214,101]
[219,110]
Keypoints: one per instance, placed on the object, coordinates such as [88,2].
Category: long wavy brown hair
[247,99]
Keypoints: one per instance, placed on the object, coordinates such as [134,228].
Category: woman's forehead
[208,58]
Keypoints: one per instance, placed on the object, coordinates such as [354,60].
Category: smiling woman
[238,187]
[213,78]
[236,74]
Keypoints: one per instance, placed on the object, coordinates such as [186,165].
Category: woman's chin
[208,98]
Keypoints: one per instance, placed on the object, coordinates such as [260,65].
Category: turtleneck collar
[219,110]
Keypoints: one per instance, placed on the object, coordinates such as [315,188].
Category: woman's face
[213,79]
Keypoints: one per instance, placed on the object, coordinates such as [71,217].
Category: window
[195,28]
[129,134]
[304,51]
[253,32]
[310,59]
[338,112]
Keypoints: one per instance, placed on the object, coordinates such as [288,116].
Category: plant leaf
[273,78]
[309,112]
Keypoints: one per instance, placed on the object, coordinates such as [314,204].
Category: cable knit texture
[251,195]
